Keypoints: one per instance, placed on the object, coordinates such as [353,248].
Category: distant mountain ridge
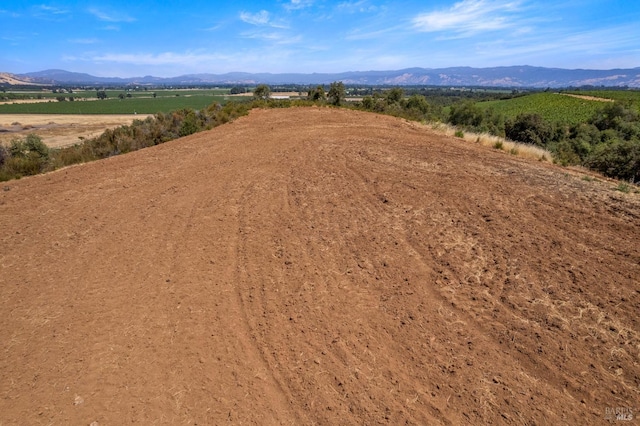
[513,76]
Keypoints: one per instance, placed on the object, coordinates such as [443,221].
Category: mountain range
[512,77]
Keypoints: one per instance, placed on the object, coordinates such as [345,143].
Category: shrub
[367,103]
[529,128]
[466,114]
[33,144]
[613,116]
[4,154]
[620,160]
[317,95]
[189,123]
[623,187]
[262,91]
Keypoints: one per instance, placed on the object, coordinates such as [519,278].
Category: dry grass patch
[496,142]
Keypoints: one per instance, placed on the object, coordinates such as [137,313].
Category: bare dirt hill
[13,80]
[318,266]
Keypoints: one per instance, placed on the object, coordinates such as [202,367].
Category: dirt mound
[318,266]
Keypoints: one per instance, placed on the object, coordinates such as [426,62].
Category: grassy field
[554,107]
[114,105]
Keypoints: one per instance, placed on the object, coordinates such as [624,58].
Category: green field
[553,107]
[133,101]
[114,105]
[111,93]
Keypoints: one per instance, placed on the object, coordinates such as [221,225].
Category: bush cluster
[609,142]
[393,102]
[23,157]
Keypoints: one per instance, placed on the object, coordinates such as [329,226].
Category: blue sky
[139,37]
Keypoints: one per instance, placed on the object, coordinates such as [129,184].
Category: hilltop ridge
[318,266]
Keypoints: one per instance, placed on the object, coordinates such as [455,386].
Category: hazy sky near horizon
[137,38]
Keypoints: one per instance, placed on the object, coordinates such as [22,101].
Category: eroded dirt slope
[317,266]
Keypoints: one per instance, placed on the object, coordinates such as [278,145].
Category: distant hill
[7,79]
[514,76]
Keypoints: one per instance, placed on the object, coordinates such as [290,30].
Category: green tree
[418,103]
[368,102]
[317,94]
[189,123]
[337,93]
[620,159]
[613,116]
[101,94]
[466,114]
[262,91]
[395,96]
[529,128]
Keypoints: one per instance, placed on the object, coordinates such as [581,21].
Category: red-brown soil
[318,266]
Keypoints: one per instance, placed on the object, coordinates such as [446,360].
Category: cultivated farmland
[318,266]
[553,107]
[69,122]
[134,105]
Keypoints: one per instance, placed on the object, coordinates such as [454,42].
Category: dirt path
[588,98]
[317,266]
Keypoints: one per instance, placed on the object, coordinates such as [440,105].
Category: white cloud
[83,40]
[275,58]
[110,16]
[213,28]
[469,17]
[358,6]
[49,13]
[165,58]
[273,37]
[44,9]
[358,34]
[298,4]
[262,18]
[560,47]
